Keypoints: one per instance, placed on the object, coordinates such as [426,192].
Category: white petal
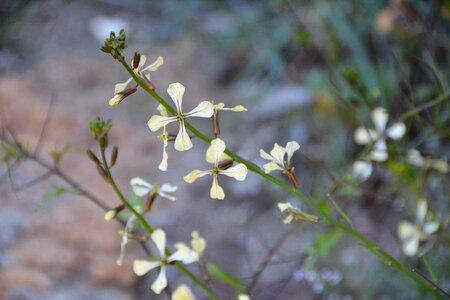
[120,87]
[406,230]
[184,254]
[204,109]
[430,227]
[123,244]
[379,151]
[422,208]
[163,165]
[239,108]
[272,166]
[176,92]
[156,122]
[160,282]
[216,191]
[159,238]
[380,118]
[243,297]
[215,151]
[278,153]
[155,65]
[115,100]
[194,175]
[288,219]
[411,246]
[364,136]
[396,131]
[362,170]
[140,187]
[141,266]
[238,172]
[162,110]
[265,155]
[291,147]
[183,292]
[440,165]
[183,141]
[284,206]
[198,243]
[168,188]
[415,158]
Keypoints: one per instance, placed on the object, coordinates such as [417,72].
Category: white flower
[125,238]
[295,213]
[203,110]
[183,292]
[411,234]
[221,106]
[362,170]
[121,90]
[364,136]
[280,157]
[215,155]
[198,243]
[141,188]
[415,158]
[183,254]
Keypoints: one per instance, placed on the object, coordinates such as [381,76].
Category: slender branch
[432,283]
[34,181]
[366,242]
[44,126]
[269,256]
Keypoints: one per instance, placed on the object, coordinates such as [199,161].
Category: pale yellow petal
[162,110]
[216,191]
[422,208]
[379,151]
[142,267]
[140,187]
[156,122]
[183,141]
[183,292]
[291,147]
[272,166]
[363,136]
[198,243]
[278,153]
[161,281]
[176,92]
[238,172]
[120,87]
[284,206]
[361,170]
[115,100]
[159,238]
[380,118]
[184,254]
[215,151]
[163,165]
[411,246]
[288,219]
[194,175]
[204,109]
[265,155]
[155,65]
[406,230]
[396,131]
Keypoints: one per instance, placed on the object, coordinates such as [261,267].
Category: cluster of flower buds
[115,45]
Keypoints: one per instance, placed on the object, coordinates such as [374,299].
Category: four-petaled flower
[203,110]
[412,234]
[183,254]
[121,90]
[295,213]
[141,188]
[280,157]
[378,135]
[215,155]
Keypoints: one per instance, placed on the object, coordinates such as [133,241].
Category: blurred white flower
[362,170]
[378,135]
[280,157]
[183,292]
[141,188]
[183,254]
[243,297]
[414,157]
[215,155]
[295,213]
[198,243]
[203,110]
[412,234]
[121,90]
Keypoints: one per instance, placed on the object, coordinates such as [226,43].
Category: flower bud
[112,213]
[92,156]
[136,60]
[114,154]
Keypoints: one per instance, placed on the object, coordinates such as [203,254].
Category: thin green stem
[371,246]
[150,229]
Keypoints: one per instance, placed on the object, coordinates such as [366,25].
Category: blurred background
[309,71]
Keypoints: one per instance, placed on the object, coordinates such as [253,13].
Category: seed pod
[215,124]
[136,60]
[148,83]
[103,173]
[114,154]
[92,156]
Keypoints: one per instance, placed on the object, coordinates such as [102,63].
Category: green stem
[150,229]
[371,246]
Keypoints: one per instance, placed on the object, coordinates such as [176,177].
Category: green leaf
[216,272]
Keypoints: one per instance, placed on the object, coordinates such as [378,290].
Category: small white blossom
[378,135]
[120,90]
[203,110]
[183,292]
[214,155]
[412,234]
[362,170]
[280,157]
[141,188]
[183,254]
[198,243]
[416,159]
[295,213]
